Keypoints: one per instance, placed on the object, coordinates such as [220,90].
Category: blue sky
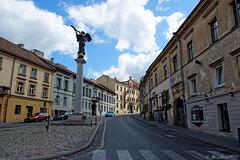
[127,34]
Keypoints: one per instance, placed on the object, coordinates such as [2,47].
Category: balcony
[4,90]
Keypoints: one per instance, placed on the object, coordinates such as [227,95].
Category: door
[29,111]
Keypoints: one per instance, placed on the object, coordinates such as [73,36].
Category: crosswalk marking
[221,155]
[99,155]
[196,155]
[148,155]
[173,155]
[123,155]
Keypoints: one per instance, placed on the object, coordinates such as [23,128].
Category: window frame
[218,82]
[165,71]
[1,62]
[214,30]
[66,84]
[20,69]
[34,69]
[45,92]
[193,87]
[17,110]
[21,88]
[236,12]
[32,91]
[175,63]
[190,50]
[46,78]
[58,84]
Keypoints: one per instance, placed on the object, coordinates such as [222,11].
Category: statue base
[75,119]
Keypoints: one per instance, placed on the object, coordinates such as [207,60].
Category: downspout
[5,114]
[181,69]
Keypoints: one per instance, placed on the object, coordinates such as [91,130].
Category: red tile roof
[16,51]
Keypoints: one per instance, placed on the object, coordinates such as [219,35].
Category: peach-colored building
[25,82]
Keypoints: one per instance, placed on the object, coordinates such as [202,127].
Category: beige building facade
[202,65]
[127,94]
[25,83]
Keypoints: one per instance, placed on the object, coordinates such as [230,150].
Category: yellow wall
[24,102]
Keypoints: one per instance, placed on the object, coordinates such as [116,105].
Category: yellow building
[26,83]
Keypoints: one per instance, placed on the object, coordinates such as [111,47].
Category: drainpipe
[5,113]
[181,69]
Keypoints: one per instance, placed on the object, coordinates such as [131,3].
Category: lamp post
[182,83]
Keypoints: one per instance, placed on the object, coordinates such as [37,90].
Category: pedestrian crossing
[165,154]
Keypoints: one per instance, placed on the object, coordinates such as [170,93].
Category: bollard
[95,121]
[238,136]
[48,124]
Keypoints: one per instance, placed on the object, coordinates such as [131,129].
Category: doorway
[29,111]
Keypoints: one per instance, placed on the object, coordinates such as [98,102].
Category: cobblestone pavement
[95,145]
[28,142]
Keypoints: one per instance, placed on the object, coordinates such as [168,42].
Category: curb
[64,153]
[190,137]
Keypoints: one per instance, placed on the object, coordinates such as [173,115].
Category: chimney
[52,60]
[115,78]
[21,45]
[38,53]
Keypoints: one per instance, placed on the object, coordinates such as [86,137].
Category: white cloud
[124,20]
[174,21]
[129,65]
[36,28]
[161,1]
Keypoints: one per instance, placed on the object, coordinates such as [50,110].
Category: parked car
[65,116]
[58,117]
[37,117]
[110,114]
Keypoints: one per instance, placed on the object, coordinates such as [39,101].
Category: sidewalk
[208,138]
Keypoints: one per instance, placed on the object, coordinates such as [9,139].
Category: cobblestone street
[34,141]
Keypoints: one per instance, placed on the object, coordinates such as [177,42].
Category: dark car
[58,117]
[37,117]
[65,116]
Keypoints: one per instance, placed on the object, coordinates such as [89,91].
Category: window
[57,100]
[219,77]
[46,77]
[45,90]
[89,93]
[175,65]
[0,62]
[18,109]
[154,101]
[193,87]
[236,11]
[34,73]
[20,87]
[43,110]
[197,115]
[31,90]
[165,72]
[65,101]
[86,105]
[59,82]
[151,83]
[214,31]
[120,97]
[190,50]
[22,69]
[117,88]
[66,85]
[117,105]
[224,121]
[120,88]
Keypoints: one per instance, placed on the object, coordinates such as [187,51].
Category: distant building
[25,83]
[97,99]
[127,94]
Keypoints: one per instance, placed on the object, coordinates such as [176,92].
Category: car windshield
[36,114]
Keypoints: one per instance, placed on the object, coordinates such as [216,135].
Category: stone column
[79,86]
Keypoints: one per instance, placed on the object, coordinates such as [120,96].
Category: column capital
[81,60]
